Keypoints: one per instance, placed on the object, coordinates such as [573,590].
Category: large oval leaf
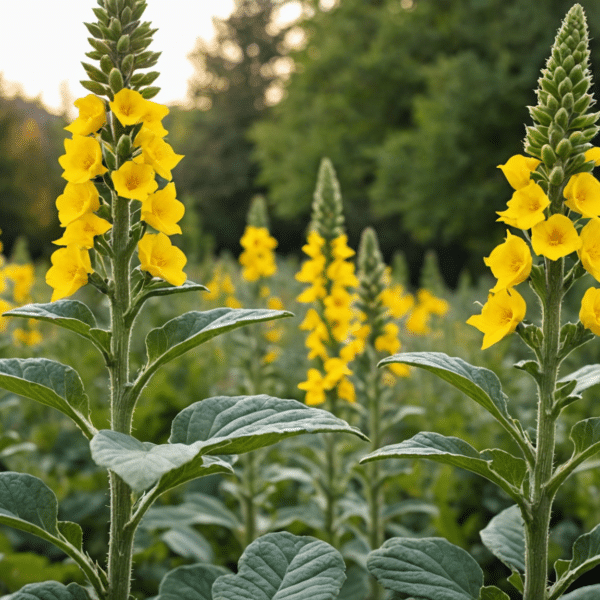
[282,566]
[237,424]
[587,592]
[482,385]
[50,383]
[49,590]
[504,537]
[498,466]
[193,582]
[142,464]
[427,569]
[194,328]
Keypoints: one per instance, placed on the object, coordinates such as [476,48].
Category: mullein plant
[331,322]
[554,213]
[118,171]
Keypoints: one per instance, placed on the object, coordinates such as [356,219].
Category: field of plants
[217,427]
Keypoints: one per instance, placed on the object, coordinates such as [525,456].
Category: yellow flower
[83,159]
[589,253]
[82,231]
[526,207]
[315,392]
[340,249]
[270,357]
[129,107]
[510,262]
[555,237]
[315,292]
[257,259]
[275,303]
[160,156]
[335,369]
[314,246]
[232,302]
[589,314]
[593,154]
[153,115]
[517,170]
[23,278]
[345,390]
[399,369]
[4,321]
[388,341]
[350,350]
[162,210]
[134,181]
[30,338]
[92,116]
[341,272]
[161,259]
[77,200]
[397,302]
[318,334]
[69,271]
[499,316]
[583,195]
[274,334]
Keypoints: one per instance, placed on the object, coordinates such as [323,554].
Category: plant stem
[121,538]
[537,522]
[249,508]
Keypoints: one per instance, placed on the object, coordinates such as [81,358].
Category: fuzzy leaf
[50,383]
[72,532]
[282,566]
[427,569]
[49,590]
[496,465]
[167,290]
[587,592]
[504,537]
[491,592]
[585,377]
[192,582]
[194,328]
[586,438]
[142,464]
[482,385]
[237,424]
[188,543]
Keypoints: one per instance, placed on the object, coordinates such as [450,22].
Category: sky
[42,43]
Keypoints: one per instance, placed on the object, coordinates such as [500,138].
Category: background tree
[415,103]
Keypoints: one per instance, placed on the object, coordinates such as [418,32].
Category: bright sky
[42,43]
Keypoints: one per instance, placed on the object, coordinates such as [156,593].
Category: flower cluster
[554,236]
[96,169]
[221,285]
[258,258]
[335,337]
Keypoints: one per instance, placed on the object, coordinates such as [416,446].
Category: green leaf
[69,314]
[194,328]
[491,592]
[561,567]
[426,568]
[50,383]
[49,590]
[482,385]
[356,585]
[500,467]
[186,286]
[142,464]
[583,379]
[516,581]
[587,592]
[192,582]
[238,424]
[504,537]
[72,532]
[586,555]
[188,543]
[282,565]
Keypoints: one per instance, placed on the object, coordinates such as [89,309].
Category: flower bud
[556,133]
[123,43]
[138,11]
[540,115]
[557,176]
[101,15]
[109,158]
[559,75]
[568,64]
[561,118]
[150,92]
[564,148]
[115,28]
[94,30]
[115,80]
[124,147]
[127,65]
[94,73]
[576,74]
[582,104]
[568,101]
[106,64]
[126,16]
[565,87]
[548,155]
[95,88]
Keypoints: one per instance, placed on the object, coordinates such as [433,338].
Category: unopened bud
[564,149]
[115,28]
[568,101]
[124,147]
[123,43]
[95,88]
[557,176]
[127,64]
[561,118]
[548,155]
[126,16]
[150,92]
[106,64]
[109,158]
[115,80]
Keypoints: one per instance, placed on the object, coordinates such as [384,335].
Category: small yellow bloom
[160,156]
[510,262]
[589,253]
[311,269]
[399,369]
[593,154]
[129,107]
[92,116]
[314,246]
[315,392]
[69,271]
[23,278]
[134,181]
[388,341]
[82,231]
[152,117]
[350,350]
[583,195]
[517,170]
[275,303]
[29,338]
[161,259]
[340,249]
[335,369]
[4,321]
[77,200]
[232,302]
[83,159]
[163,211]
[555,237]
[274,334]
[341,272]
[499,316]
[315,292]
[346,391]
[270,357]
[589,314]
[397,302]
[526,207]
[257,258]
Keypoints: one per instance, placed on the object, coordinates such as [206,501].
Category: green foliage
[50,590]
[504,536]
[282,564]
[189,583]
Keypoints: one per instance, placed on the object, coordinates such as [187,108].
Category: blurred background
[415,102]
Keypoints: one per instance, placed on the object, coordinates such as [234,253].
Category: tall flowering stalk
[554,209]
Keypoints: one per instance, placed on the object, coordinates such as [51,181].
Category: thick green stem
[121,537]
[249,508]
[540,497]
[331,487]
